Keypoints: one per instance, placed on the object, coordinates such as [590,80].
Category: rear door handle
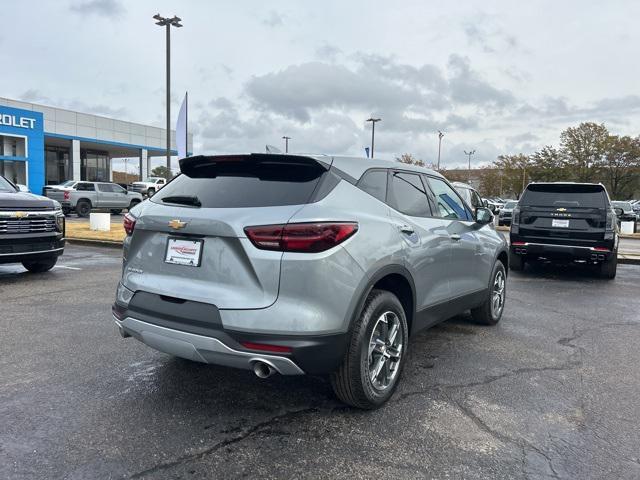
[455,237]
[407,229]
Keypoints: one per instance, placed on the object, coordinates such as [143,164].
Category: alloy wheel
[385,350]
[497,295]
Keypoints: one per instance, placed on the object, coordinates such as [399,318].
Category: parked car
[492,205]
[505,213]
[565,222]
[306,265]
[626,213]
[31,229]
[84,197]
[636,208]
[469,195]
[149,186]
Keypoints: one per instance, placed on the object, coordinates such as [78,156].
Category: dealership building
[41,145]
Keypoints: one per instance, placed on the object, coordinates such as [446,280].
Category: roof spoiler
[191,166]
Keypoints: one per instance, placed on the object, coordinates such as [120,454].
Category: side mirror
[483,216]
[23,188]
[619,211]
[485,203]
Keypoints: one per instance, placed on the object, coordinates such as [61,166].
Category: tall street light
[469,172]
[286,143]
[373,131]
[440,135]
[168,23]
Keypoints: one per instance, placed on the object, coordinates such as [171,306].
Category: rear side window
[374,182]
[245,183]
[105,187]
[448,203]
[564,195]
[86,187]
[407,195]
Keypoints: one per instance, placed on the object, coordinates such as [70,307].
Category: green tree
[516,173]
[161,171]
[583,149]
[547,165]
[619,170]
[490,182]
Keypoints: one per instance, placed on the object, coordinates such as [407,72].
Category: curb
[629,261]
[94,243]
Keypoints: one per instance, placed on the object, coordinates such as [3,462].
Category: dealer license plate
[560,223]
[184,252]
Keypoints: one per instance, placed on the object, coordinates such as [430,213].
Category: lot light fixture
[286,143]
[373,131]
[168,23]
[472,152]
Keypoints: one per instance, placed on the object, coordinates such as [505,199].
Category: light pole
[373,131]
[469,172]
[286,143]
[440,135]
[168,23]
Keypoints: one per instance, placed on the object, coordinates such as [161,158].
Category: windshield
[5,186]
[510,205]
[68,183]
[151,179]
[623,205]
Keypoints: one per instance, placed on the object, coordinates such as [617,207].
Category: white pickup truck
[82,197]
[149,186]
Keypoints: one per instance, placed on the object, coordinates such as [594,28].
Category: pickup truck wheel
[151,192]
[66,211]
[116,211]
[490,312]
[609,267]
[83,208]
[372,365]
[40,266]
[516,262]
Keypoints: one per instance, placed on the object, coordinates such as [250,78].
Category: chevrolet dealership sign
[17,121]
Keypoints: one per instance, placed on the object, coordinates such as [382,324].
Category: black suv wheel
[609,267]
[373,363]
[40,266]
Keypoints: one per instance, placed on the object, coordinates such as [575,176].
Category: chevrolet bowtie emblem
[561,209]
[20,214]
[177,224]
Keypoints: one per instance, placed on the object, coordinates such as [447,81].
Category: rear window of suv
[246,183]
[564,195]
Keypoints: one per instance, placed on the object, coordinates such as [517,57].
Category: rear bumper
[201,348]
[561,252]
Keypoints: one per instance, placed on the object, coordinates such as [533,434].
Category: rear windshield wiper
[183,200]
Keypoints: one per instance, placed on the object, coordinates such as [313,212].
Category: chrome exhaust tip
[263,370]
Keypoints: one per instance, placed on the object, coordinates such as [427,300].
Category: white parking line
[68,268]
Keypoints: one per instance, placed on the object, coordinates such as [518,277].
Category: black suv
[565,222]
[31,229]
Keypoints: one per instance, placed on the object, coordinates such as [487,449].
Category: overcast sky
[497,76]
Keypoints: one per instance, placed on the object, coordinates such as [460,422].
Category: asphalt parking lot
[551,392]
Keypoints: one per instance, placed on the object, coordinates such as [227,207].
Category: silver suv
[306,265]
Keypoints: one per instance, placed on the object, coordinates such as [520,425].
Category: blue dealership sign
[28,125]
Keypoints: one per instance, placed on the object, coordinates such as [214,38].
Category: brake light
[600,249]
[65,195]
[609,225]
[518,243]
[129,223]
[266,347]
[301,237]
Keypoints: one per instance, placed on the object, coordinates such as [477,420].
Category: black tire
[151,192]
[352,382]
[516,262]
[116,211]
[133,204]
[487,313]
[609,267]
[66,211]
[83,208]
[40,266]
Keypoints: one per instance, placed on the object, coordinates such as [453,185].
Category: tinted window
[476,201]
[105,187]
[564,195]
[448,203]
[407,195]
[118,189]
[374,183]
[245,183]
[5,186]
[86,187]
[510,205]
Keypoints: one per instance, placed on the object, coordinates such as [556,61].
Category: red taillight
[129,223]
[600,249]
[301,237]
[266,347]
[519,243]
[65,195]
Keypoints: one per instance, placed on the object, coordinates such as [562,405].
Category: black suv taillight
[301,237]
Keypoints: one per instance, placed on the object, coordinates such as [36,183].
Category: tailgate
[564,226]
